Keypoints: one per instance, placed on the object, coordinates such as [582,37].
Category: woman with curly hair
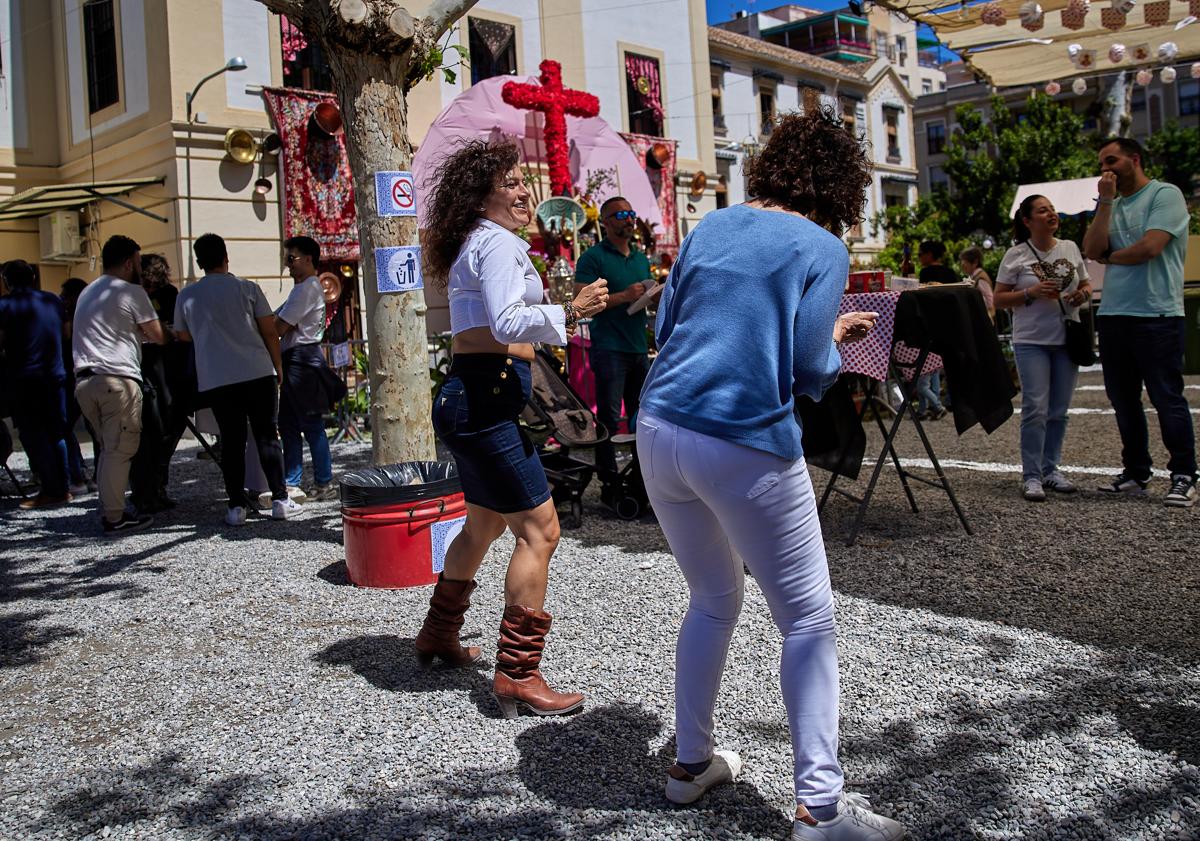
[749,322]
[477,204]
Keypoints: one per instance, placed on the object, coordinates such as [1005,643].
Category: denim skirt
[475,415]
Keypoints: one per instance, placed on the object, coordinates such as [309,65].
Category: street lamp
[235,64]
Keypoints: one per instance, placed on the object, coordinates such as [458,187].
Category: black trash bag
[394,483]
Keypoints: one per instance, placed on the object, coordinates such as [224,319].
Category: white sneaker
[854,822]
[1032,490]
[683,787]
[282,509]
[1055,481]
[235,516]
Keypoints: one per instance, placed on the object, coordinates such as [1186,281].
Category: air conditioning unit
[59,236]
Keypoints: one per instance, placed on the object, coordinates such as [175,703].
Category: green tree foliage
[1175,155]
[987,157]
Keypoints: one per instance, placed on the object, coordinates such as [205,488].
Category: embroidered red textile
[662,182]
[317,185]
[555,101]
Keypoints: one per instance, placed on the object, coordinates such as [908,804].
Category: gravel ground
[1037,680]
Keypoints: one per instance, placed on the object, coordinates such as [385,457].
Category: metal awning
[38,201]
[1011,55]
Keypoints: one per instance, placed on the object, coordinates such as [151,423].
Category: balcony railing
[719,124]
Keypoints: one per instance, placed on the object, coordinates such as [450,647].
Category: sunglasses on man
[623,215]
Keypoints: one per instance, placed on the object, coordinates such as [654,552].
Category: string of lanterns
[1157,13]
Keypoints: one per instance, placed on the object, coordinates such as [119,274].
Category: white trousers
[719,503]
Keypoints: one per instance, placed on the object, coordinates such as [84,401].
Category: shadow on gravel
[22,636]
[601,759]
[390,662]
[336,574]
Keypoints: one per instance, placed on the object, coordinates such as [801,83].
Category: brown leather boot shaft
[518,680]
[439,635]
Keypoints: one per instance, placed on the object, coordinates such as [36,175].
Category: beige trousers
[113,406]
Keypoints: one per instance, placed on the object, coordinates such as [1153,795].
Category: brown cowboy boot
[518,683]
[439,634]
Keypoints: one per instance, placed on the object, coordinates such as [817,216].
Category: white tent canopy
[1077,195]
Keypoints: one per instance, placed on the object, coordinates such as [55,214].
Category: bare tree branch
[441,14]
[295,10]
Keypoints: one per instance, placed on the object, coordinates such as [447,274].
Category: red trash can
[398,520]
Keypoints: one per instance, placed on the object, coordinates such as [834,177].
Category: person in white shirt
[112,317]
[303,400]
[237,371]
[476,206]
[1042,280]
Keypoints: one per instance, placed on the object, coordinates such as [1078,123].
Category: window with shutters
[100,53]
[493,48]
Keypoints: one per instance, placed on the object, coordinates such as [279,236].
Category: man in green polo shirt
[618,352]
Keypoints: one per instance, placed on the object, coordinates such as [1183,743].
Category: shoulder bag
[1080,338]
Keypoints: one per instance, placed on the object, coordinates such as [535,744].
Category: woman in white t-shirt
[1042,280]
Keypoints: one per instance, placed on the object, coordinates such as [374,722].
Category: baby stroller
[555,411]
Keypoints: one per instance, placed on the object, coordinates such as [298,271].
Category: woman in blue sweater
[749,321]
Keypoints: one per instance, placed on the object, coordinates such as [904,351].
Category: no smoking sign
[395,194]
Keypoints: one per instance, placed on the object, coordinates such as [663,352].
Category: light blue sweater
[746,322]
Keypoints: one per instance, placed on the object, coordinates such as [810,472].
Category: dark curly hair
[812,165]
[156,271]
[460,184]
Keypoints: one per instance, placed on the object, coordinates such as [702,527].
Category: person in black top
[31,327]
[930,255]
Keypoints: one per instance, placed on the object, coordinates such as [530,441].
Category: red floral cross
[555,101]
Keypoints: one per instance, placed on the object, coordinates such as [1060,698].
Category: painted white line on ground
[1015,469]
[1101,388]
[1084,411]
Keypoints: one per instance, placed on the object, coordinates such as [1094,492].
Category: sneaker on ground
[1055,481]
[296,493]
[127,523]
[1183,491]
[1125,484]
[80,489]
[323,492]
[282,509]
[683,787]
[854,822]
[1032,491]
[235,516]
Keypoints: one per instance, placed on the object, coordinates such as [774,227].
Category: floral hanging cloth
[662,182]
[318,186]
[642,73]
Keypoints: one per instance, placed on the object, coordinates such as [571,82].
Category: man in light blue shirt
[1140,230]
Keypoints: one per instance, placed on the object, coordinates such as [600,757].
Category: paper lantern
[993,13]
[1141,53]
[1167,75]
[1123,6]
[1168,50]
[1113,19]
[1116,53]
[1143,77]
[1079,86]
[1053,88]
[1157,13]
[1032,17]
[1073,51]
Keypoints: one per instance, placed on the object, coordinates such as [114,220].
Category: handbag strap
[1044,266]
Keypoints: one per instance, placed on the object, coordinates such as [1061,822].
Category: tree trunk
[1118,105]
[370,88]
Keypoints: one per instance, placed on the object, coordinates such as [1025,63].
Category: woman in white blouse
[477,204]
[1043,280]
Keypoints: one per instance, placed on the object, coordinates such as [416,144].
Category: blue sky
[723,10]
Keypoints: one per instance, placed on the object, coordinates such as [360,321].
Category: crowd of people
[718,445]
[134,358]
